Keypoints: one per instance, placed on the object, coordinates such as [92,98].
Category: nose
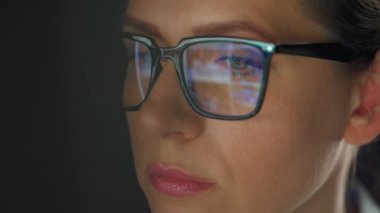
[166,111]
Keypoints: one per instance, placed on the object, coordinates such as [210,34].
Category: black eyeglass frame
[329,51]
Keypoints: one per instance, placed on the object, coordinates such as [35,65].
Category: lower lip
[176,183]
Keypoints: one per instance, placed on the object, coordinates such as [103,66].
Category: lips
[172,181]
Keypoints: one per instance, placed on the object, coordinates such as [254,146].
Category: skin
[291,157]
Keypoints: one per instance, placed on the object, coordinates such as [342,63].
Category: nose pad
[164,61]
[159,67]
[166,83]
[169,74]
[156,73]
[169,67]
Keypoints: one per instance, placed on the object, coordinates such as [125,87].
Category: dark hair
[355,23]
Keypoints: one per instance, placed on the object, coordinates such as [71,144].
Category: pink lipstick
[174,182]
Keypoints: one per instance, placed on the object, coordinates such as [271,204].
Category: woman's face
[282,159]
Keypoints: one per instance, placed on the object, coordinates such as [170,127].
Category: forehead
[278,20]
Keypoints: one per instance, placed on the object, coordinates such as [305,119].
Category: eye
[235,62]
[240,62]
[241,67]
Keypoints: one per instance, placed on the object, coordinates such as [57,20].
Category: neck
[331,197]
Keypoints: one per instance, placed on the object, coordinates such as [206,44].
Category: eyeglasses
[221,77]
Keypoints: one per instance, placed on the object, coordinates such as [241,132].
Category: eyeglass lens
[138,73]
[221,77]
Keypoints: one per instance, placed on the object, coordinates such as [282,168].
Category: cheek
[290,147]
[137,138]
[312,97]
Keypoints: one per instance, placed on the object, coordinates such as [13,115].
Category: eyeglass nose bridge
[165,54]
[171,54]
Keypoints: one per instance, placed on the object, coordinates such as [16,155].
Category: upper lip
[174,172]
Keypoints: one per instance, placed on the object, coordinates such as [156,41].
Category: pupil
[238,63]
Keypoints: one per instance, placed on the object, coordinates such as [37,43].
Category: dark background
[66,152]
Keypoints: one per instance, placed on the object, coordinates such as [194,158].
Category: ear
[364,122]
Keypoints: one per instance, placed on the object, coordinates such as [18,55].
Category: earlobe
[364,123]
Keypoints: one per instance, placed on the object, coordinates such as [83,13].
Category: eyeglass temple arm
[331,51]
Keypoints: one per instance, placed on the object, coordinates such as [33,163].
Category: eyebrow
[227,27]
[140,25]
[215,29]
